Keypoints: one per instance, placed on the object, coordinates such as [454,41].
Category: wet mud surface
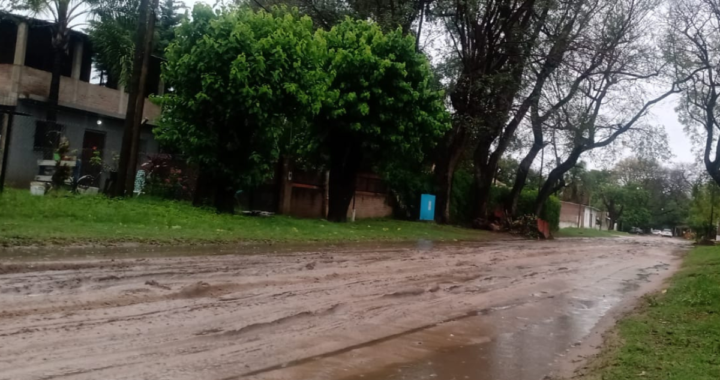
[510,310]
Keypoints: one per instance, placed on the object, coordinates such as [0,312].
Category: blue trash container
[427,207]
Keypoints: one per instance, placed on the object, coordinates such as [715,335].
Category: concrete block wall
[31,83]
[22,158]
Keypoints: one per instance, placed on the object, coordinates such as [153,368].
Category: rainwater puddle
[522,342]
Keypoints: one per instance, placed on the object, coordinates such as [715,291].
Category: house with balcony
[90,116]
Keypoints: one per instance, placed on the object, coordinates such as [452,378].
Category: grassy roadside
[586,232]
[675,335]
[27,220]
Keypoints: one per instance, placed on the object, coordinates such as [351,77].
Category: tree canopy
[240,79]
[245,83]
[384,107]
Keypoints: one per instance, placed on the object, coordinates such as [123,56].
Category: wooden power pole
[140,100]
[133,93]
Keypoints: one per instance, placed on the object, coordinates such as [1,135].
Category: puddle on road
[521,342]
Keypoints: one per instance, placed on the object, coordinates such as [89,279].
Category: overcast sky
[680,145]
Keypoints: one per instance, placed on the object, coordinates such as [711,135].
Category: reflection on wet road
[526,340]
[522,341]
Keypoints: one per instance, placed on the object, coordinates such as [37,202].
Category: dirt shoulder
[327,314]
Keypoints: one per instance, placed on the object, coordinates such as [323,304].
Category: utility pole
[140,100]
[133,93]
[712,210]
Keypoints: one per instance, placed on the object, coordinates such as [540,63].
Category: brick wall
[307,203]
[370,205]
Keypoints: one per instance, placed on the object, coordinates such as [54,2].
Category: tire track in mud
[254,314]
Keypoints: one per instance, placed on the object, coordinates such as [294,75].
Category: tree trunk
[345,159]
[224,195]
[283,185]
[203,188]
[133,86]
[484,175]
[521,178]
[448,159]
[554,177]
[444,172]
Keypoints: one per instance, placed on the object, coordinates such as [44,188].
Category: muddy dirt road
[510,310]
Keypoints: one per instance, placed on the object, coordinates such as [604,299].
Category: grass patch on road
[587,232]
[675,335]
[27,220]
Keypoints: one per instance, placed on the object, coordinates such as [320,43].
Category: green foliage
[704,208]
[380,96]
[526,204]
[461,206]
[407,184]
[550,211]
[636,216]
[112,32]
[627,205]
[96,159]
[169,18]
[389,14]
[507,171]
[241,81]
[68,219]
[676,335]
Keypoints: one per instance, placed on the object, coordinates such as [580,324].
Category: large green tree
[627,204]
[639,192]
[382,106]
[241,80]
[389,14]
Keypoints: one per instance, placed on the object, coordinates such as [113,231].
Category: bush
[526,205]
[407,186]
[168,177]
